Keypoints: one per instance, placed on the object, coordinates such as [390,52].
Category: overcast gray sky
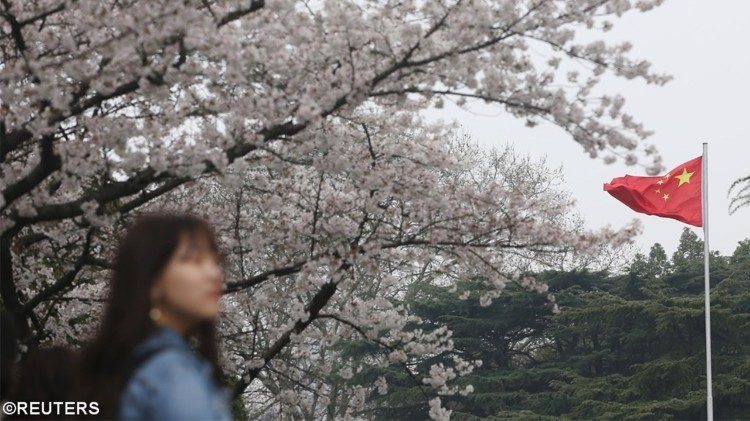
[703,44]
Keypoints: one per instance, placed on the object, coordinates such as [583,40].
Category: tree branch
[319,301]
[241,12]
[63,281]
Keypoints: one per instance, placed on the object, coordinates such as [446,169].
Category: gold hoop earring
[154,314]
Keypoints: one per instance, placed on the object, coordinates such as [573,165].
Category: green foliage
[628,347]
[689,253]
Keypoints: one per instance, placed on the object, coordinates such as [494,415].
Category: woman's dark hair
[46,375]
[8,352]
[142,255]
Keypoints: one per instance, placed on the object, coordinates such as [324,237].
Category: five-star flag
[677,194]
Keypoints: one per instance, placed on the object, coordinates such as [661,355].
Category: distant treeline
[626,346]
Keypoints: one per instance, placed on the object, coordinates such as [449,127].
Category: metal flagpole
[707,286]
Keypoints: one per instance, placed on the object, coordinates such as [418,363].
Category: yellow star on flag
[684,177]
[665,197]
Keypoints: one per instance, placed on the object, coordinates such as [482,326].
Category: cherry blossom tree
[453,214]
[296,127]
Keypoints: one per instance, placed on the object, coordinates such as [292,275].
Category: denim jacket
[173,384]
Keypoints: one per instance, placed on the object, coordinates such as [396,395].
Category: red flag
[675,195]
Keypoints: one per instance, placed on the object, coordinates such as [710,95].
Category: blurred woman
[154,355]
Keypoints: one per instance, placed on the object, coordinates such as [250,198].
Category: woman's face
[189,288]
